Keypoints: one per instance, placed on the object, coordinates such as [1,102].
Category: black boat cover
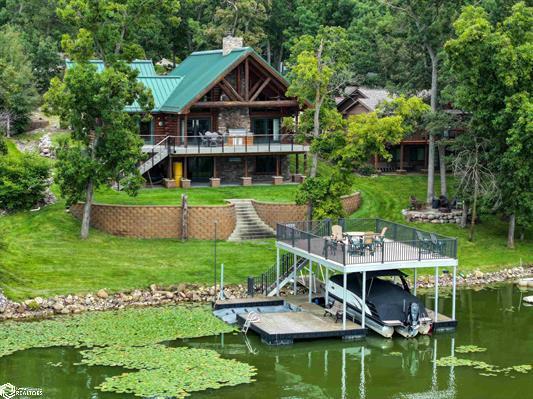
[389,300]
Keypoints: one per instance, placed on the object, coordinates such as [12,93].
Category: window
[265,165]
[146,131]
[265,127]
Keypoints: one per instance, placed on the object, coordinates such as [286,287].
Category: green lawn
[199,195]
[42,254]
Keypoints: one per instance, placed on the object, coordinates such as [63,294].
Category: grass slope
[43,255]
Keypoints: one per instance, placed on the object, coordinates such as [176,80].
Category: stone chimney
[229,43]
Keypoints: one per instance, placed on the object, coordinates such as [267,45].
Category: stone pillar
[276,180]
[185,183]
[246,181]
[214,182]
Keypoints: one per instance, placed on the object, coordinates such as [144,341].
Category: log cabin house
[218,119]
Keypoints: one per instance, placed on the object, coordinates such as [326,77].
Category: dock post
[454,282]
[436,315]
[327,292]
[294,274]
[414,282]
[277,271]
[310,277]
[344,282]
[363,313]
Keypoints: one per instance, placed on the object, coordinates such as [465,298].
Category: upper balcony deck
[228,144]
[402,246]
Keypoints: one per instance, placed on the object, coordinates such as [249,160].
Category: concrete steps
[249,225]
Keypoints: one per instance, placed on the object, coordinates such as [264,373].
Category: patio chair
[336,232]
[423,242]
[355,247]
[436,244]
[369,242]
[213,138]
[204,140]
[335,311]
[330,247]
[380,239]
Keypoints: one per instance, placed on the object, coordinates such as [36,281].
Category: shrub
[366,170]
[22,181]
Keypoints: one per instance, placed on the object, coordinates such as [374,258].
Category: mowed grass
[386,196]
[199,195]
[42,255]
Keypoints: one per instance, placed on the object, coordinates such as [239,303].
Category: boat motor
[413,316]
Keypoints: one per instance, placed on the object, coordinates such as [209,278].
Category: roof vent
[230,43]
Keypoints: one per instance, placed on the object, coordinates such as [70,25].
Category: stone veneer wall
[233,118]
[231,169]
[148,221]
[273,213]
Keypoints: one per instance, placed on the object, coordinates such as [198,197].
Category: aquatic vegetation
[128,327]
[488,369]
[469,349]
[167,372]
[395,354]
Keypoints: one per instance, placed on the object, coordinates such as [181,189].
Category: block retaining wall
[273,213]
[158,221]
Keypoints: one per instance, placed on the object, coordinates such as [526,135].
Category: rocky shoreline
[186,293]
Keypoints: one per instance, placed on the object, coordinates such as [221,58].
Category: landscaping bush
[366,170]
[22,181]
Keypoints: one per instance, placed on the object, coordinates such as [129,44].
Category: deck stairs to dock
[249,225]
[265,283]
[158,153]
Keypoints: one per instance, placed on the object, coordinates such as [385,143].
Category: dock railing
[401,243]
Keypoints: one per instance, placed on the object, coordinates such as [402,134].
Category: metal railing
[401,242]
[230,143]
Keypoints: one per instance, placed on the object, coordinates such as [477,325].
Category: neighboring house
[218,117]
[410,155]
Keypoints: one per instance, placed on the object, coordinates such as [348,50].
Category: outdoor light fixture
[161,123]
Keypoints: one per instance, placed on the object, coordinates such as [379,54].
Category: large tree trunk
[510,233]
[442,166]
[431,152]
[86,219]
[464,216]
[8,124]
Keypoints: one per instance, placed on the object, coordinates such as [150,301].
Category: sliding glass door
[266,129]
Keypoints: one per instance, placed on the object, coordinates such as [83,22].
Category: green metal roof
[162,88]
[199,70]
[176,91]
[145,67]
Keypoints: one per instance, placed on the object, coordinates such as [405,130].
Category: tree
[475,180]
[318,69]
[492,64]
[105,144]
[18,97]
[422,28]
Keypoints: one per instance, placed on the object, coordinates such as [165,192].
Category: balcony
[214,144]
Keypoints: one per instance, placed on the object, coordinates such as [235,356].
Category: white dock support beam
[310,277]
[454,282]
[294,276]
[277,271]
[344,283]
[415,277]
[363,304]
[327,292]
[436,315]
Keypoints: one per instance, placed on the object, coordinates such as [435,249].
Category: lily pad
[469,349]
[133,327]
[167,372]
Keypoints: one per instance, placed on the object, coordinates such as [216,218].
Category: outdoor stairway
[249,225]
[160,154]
[265,283]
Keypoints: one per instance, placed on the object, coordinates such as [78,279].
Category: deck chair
[423,242]
[369,242]
[334,311]
[380,239]
[330,247]
[336,232]
[204,140]
[436,244]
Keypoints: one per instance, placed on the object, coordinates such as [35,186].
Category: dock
[308,323]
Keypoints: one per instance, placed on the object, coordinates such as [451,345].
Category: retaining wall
[273,213]
[147,221]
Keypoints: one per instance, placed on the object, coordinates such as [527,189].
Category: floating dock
[308,322]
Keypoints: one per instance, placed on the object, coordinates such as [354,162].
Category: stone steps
[249,225]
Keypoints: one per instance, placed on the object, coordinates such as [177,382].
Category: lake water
[492,318]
